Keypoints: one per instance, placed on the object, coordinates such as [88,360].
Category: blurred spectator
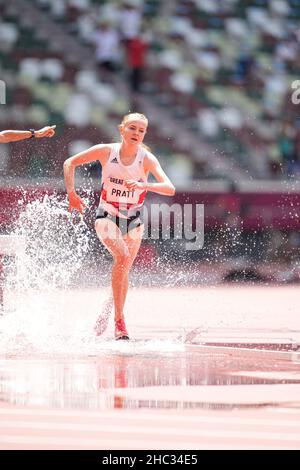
[107,43]
[130,17]
[136,58]
[244,66]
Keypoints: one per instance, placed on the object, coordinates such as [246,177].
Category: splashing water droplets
[55,245]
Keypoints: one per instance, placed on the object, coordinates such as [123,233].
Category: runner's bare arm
[97,152]
[14,136]
[163,185]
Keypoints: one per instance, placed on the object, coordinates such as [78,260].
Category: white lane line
[100,443]
[265,420]
[122,428]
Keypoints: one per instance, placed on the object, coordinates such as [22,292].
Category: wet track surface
[143,377]
[207,387]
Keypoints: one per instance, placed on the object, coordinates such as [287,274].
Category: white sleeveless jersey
[115,197]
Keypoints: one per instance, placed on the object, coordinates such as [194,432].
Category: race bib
[116,191]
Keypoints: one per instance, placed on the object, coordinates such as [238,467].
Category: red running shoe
[120,330]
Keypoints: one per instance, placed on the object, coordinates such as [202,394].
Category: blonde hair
[133,116]
[136,117]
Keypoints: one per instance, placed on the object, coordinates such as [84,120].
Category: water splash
[48,314]
[57,246]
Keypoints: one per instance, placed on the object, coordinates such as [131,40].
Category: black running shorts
[125,225]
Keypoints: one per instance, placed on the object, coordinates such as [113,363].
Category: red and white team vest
[115,197]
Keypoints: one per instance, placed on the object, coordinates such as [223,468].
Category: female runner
[119,218]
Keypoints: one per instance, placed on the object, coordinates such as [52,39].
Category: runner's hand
[132,184]
[75,202]
[47,131]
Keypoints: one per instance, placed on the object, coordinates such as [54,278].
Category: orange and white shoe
[102,321]
[120,330]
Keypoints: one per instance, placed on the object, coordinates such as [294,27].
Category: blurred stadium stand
[217,88]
